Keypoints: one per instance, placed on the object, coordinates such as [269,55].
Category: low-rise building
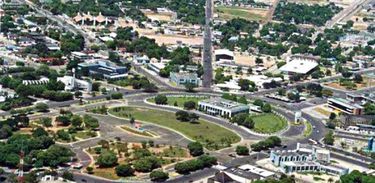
[345,106]
[103,69]
[156,67]
[72,83]
[299,65]
[182,78]
[222,107]
[41,81]
[224,55]
[80,55]
[306,158]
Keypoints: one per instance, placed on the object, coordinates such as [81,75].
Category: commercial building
[102,69]
[182,78]
[222,107]
[299,65]
[345,106]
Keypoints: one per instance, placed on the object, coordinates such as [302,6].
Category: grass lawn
[108,173]
[308,129]
[240,12]
[85,134]
[268,123]
[211,135]
[180,100]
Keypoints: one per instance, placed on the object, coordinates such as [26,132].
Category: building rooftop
[256,170]
[224,103]
[300,66]
[243,173]
[224,52]
[345,103]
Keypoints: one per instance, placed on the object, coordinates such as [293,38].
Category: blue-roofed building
[102,69]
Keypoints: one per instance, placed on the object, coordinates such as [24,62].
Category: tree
[190,87]
[266,108]
[76,121]
[107,159]
[90,170]
[117,95]
[242,150]
[77,94]
[46,121]
[39,131]
[41,107]
[31,177]
[328,138]
[242,100]
[67,176]
[332,116]
[161,100]
[96,86]
[189,105]
[158,176]
[182,116]
[195,148]
[357,177]
[124,170]
[258,102]
[358,78]
[147,164]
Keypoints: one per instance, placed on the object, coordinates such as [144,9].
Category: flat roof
[300,66]
[224,103]
[224,52]
[256,170]
[345,103]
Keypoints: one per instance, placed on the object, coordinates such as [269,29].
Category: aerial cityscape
[187,91]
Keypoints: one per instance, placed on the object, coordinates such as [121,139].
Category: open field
[159,16]
[211,135]
[356,86]
[241,12]
[268,123]
[180,100]
[173,39]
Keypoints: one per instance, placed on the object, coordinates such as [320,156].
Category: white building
[42,80]
[156,67]
[299,65]
[231,86]
[222,107]
[224,54]
[72,83]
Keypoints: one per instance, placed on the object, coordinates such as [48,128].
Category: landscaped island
[211,135]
